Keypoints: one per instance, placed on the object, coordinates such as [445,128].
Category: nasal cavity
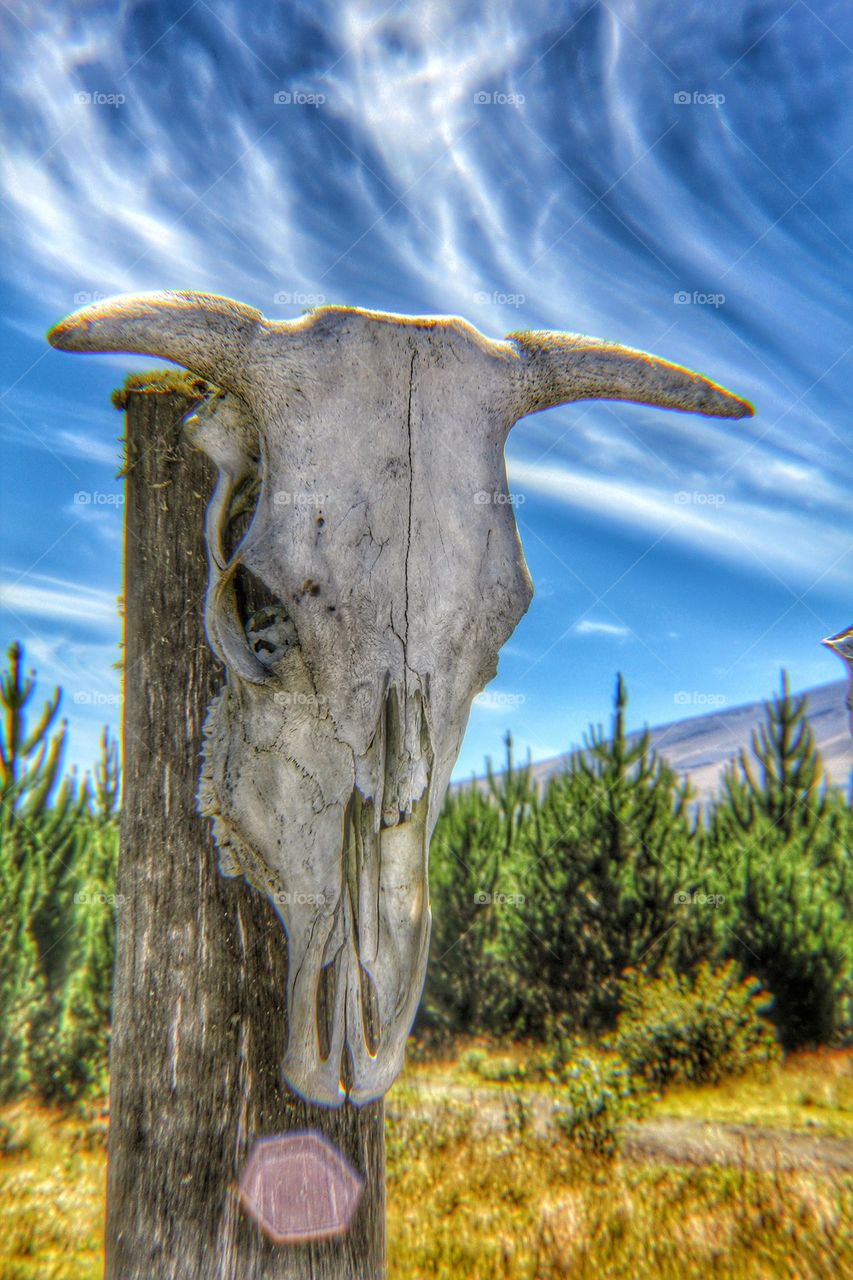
[326,989]
[370,1012]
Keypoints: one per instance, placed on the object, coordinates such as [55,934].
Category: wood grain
[199,1022]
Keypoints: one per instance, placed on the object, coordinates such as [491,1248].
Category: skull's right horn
[556,368]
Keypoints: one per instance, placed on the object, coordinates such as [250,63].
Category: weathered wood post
[364,569]
[199,1021]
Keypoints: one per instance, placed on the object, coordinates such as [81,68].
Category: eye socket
[269,631]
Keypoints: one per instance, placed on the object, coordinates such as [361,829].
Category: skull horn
[207,334]
[560,367]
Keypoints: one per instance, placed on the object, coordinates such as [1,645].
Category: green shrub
[12,1143]
[496,1070]
[499,1070]
[675,1029]
[597,1097]
[473,1059]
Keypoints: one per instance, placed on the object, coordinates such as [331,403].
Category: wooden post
[199,1019]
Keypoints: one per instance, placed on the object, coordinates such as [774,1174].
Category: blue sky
[664,175]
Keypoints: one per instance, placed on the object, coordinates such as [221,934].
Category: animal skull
[364,444]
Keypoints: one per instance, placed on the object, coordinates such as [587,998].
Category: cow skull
[365,570]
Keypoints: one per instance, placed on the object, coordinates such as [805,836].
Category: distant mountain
[700,747]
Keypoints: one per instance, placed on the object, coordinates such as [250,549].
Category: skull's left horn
[556,368]
[206,334]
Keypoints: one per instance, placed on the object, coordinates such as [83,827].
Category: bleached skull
[365,570]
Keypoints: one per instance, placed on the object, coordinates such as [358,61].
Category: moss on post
[162,382]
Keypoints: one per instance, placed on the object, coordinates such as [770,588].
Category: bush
[496,1070]
[473,1059]
[675,1029]
[499,1070]
[598,1095]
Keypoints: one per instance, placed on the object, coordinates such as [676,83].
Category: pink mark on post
[299,1187]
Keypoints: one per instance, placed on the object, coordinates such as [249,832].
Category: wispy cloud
[770,539]
[57,600]
[89,447]
[588,628]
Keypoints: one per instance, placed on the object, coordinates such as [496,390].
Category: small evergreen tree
[781,841]
[473,857]
[782,779]
[21,984]
[30,755]
[56,948]
[30,758]
[612,846]
[79,1046]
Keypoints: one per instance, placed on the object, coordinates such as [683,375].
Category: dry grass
[52,1187]
[509,1207]
[809,1093]
[501,1205]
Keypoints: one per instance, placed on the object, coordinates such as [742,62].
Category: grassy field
[809,1092]
[506,1205]
[52,1189]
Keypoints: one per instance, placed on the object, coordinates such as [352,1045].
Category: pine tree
[473,871]
[73,1054]
[784,780]
[780,839]
[21,983]
[613,846]
[30,758]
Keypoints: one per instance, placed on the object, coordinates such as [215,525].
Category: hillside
[700,747]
